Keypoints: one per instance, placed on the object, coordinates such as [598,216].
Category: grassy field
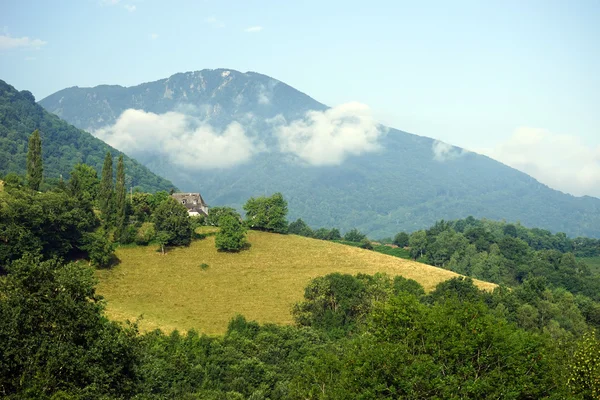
[174,292]
[593,263]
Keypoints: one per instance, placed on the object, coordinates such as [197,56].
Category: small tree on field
[172,218]
[232,236]
[354,235]
[401,239]
[162,238]
[267,213]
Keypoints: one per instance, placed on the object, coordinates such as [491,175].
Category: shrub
[232,236]
[145,234]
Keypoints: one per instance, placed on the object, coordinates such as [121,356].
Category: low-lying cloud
[446,152]
[562,162]
[329,137]
[184,140]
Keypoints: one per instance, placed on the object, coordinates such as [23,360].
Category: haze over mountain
[63,145]
[233,135]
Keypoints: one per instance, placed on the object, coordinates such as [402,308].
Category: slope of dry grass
[174,292]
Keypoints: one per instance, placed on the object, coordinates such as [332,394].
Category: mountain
[63,145]
[233,135]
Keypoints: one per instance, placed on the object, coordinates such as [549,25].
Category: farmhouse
[193,202]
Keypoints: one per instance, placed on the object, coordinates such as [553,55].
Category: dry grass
[174,292]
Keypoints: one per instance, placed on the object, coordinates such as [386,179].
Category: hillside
[63,145]
[385,182]
[174,292]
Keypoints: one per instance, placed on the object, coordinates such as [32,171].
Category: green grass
[174,292]
[593,263]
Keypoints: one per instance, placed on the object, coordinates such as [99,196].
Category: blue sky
[517,80]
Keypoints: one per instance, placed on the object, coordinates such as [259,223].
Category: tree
[106,193]
[35,167]
[267,213]
[418,244]
[585,367]
[100,249]
[299,227]
[232,235]
[50,313]
[163,238]
[84,182]
[354,235]
[401,239]
[215,214]
[121,201]
[173,219]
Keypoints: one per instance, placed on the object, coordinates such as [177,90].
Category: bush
[366,244]
[401,239]
[354,235]
[145,234]
[232,236]
[100,249]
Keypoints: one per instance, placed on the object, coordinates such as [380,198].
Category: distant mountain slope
[407,184]
[63,145]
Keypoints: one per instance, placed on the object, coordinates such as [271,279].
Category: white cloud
[446,152]
[186,141]
[153,36]
[328,137]
[8,42]
[214,22]
[253,29]
[562,162]
[130,7]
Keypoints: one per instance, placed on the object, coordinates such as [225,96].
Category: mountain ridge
[63,145]
[402,186]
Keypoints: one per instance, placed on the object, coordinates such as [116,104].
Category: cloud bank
[184,140]
[446,152]
[330,136]
[562,162]
[8,42]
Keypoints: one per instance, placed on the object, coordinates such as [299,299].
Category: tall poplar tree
[106,193]
[120,200]
[35,168]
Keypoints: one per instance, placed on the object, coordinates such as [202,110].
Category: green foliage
[145,234]
[54,338]
[366,244]
[584,378]
[215,214]
[35,167]
[64,145]
[267,213]
[418,244]
[51,224]
[106,194]
[171,221]
[121,216]
[204,266]
[401,239]
[84,183]
[101,251]
[354,235]
[232,235]
[299,227]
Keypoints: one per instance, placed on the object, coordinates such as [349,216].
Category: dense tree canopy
[267,213]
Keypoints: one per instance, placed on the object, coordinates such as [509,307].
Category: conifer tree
[106,193]
[120,200]
[35,168]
